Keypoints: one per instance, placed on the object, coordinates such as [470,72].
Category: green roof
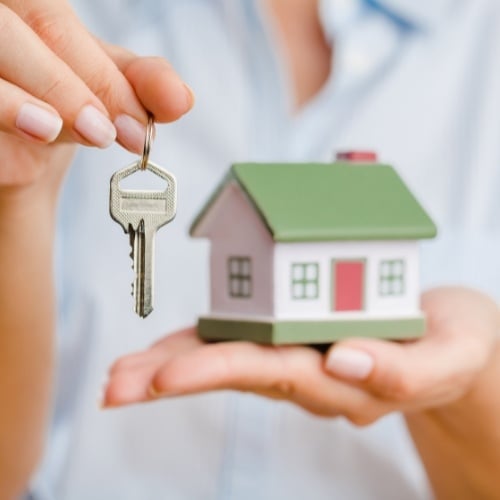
[330,201]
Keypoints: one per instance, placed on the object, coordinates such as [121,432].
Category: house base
[308,332]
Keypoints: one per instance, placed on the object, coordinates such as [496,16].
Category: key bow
[128,207]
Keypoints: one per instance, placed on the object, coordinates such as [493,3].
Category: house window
[392,277]
[305,281]
[240,277]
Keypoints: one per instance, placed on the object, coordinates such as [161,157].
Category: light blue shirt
[417,81]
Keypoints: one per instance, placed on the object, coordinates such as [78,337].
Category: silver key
[141,214]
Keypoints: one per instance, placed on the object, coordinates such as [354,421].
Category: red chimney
[357,156]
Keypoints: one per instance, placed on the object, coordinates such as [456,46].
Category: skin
[306,52]
[30,177]
[443,383]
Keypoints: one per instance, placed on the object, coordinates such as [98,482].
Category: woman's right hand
[58,84]
[59,87]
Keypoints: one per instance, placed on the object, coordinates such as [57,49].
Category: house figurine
[313,252]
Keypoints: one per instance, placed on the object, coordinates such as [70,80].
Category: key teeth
[131,241]
[131,255]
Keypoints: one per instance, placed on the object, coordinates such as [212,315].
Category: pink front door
[348,285]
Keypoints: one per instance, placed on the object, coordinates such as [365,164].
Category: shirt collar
[338,16]
[415,13]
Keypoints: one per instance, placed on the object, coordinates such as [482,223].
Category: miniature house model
[311,253]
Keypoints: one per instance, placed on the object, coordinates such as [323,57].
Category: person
[278,81]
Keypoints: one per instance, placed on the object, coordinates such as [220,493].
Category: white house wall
[235,230]
[286,254]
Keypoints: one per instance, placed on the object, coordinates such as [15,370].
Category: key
[141,214]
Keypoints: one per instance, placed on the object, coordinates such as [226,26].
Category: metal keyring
[147,143]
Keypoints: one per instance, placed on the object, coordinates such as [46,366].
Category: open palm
[431,372]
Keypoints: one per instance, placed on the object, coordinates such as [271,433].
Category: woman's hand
[58,87]
[59,84]
[360,379]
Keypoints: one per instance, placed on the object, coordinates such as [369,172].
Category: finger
[162,350]
[130,376]
[134,84]
[294,374]
[128,387]
[61,30]
[25,116]
[50,80]
[156,83]
[462,327]
[432,371]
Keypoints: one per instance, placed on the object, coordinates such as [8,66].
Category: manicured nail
[349,363]
[38,122]
[95,127]
[131,133]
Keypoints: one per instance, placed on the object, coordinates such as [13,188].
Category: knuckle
[400,387]
[99,82]
[285,384]
[52,88]
[322,412]
[285,387]
[359,420]
[363,419]
[49,27]
[166,380]
[321,408]
[159,385]
[364,413]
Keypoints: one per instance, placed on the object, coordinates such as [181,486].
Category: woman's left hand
[360,379]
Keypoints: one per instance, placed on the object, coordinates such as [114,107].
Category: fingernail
[349,363]
[131,133]
[38,122]
[92,125]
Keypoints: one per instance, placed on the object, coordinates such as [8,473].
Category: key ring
[147,143]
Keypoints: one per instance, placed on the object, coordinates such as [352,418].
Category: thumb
[435,368]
